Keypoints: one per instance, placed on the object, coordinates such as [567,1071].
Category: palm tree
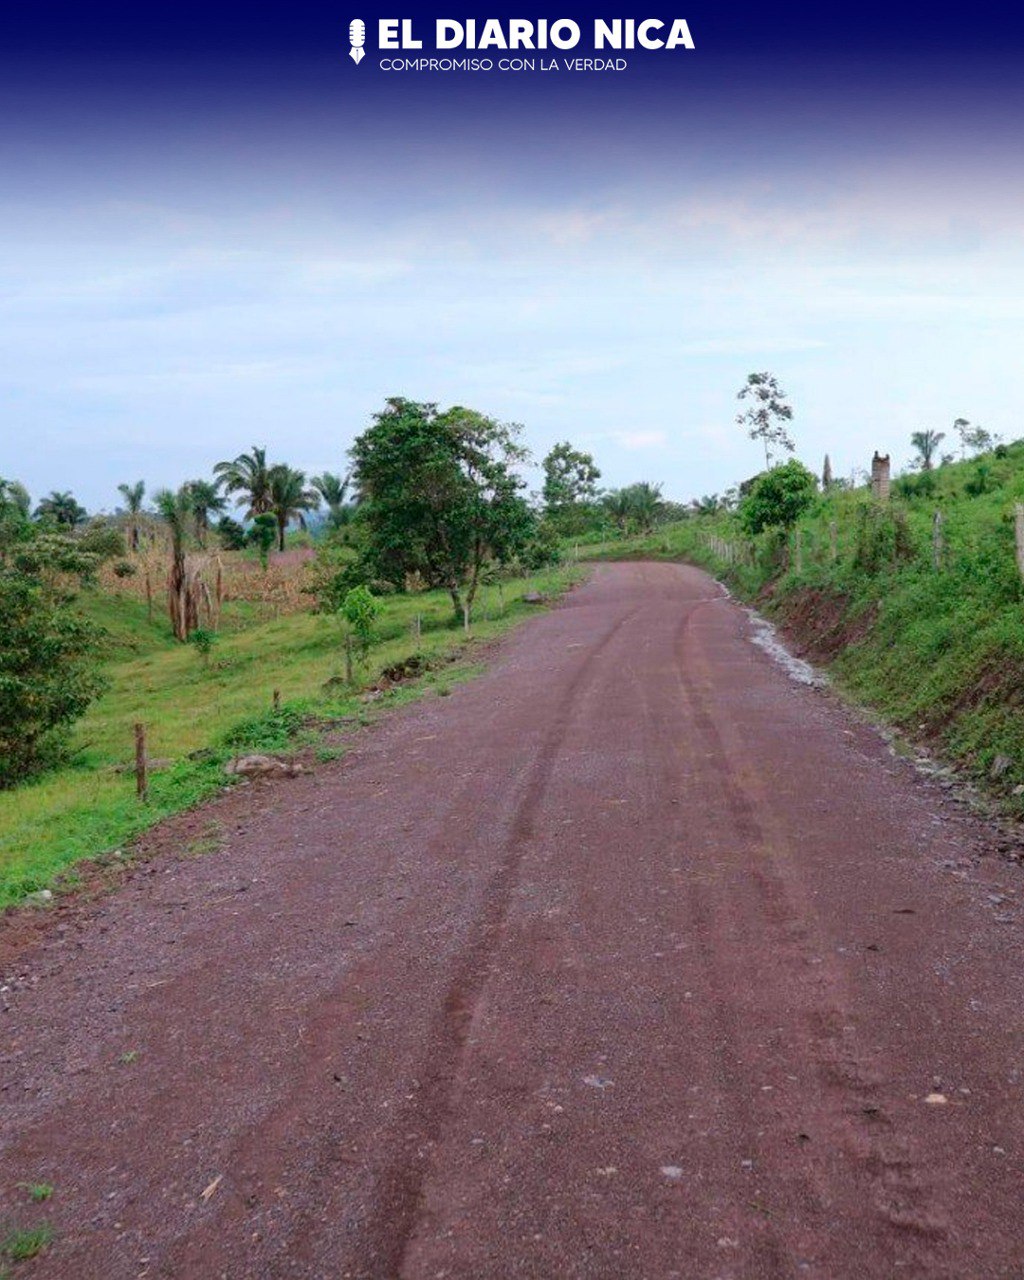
[204,500]
[134,495]
[926,443]
[175,509]
[61,508]
[333,489]
[14,495]
[248,476]
[644,504]
[289,498]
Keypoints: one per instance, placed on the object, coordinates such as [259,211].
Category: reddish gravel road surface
[632,958]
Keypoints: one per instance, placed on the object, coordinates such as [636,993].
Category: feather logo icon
[357,38]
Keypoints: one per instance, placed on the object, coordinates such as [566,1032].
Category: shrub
[47,674]
[359,610]
[883,539]
[778,498]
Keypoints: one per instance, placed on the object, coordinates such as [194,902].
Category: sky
[217,230]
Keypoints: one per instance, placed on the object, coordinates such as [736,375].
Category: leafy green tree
[248,478]
[778,498]
[290,499]
[973,439]
[205,500]
[232,534]
[570,477]
[262,535]
[14,497]
[134,496]
[359,611]
[636,508]
[766,415]
[926,443]
[439,496]
[61,509]
[48,675]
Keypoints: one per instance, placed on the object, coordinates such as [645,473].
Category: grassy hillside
[217,708]
[939,652]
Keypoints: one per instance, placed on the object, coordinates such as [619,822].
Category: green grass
[217,709]
[939,654]
[23,1243]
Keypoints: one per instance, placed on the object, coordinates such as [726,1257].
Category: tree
[175,509]
[248,477]
[61,509]
[570,477]
[48,675]
[766,415]
[777,498]
[204,501]
[289,499]
[973,439]
[439,496]
[826,475]
[133,495]
[926,443]
[333,489]
[635,508]
[262,535]
[14,498]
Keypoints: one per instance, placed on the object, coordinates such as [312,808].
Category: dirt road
[632,958]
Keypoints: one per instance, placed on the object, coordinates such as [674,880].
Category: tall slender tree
[766,415]
[134,495]
[205,500]
[926,443]
[334,491]
[290,499]
[248,478]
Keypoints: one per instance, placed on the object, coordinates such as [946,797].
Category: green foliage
[778,498]
[359,610]
[636,508]
[982,481]
[767,413]
[262,535]
[289,498]
[48,676]
[926,445]
[203,640]
[247,477]
[23,1243]
[440,496]
[61,509]
[883,539]
[231,534]
[923,485]
[102,539]
[570,487]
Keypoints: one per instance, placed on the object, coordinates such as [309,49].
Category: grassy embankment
[219,708]
[938,653]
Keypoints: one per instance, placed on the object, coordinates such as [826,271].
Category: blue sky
[215,232]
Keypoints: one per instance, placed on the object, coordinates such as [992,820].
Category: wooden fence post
[937,541]
[465,616]
[277,702]
[1018,524]
[141,780]
[348,659]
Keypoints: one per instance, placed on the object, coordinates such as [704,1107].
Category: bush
[778,498]
[919,486]
[359,609]
[883,539]
[47,676]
